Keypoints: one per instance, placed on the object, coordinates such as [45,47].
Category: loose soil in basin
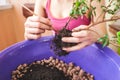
[50,69]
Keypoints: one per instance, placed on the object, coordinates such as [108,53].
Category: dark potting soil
[58,44]
[41,72]
[50,69]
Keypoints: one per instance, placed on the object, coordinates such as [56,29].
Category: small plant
[80,7]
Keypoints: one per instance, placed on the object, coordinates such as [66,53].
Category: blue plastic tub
[103,63]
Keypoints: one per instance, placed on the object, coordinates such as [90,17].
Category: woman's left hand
[82,36]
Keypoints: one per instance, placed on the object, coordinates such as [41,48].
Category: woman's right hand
[35,25]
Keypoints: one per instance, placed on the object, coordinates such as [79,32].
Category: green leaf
[104,40]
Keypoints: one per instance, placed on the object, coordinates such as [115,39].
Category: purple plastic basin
[103,63]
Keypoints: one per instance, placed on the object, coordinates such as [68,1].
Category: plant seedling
[80,7]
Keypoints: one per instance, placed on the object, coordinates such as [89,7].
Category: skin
[35,26]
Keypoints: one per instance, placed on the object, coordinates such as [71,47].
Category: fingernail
[73,29]
[64,49]
[63,39]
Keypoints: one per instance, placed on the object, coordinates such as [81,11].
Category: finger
[74,39]
[47,27]
[31,36]
[81,33]
[81,27]
[33,19]
[32,24]
[34,30]
[39,25]
[46,21]
[77,47]
[40,19]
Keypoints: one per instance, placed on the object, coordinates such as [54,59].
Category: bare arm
[37,24]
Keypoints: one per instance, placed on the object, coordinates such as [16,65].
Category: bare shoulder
[41,3]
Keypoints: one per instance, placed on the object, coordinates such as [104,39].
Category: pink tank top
[58,24]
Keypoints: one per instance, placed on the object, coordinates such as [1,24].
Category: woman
[101,62]
[53,14]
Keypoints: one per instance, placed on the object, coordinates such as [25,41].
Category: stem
[109,4]
[92,17]
[107,8]
[104,12]
[106,20]
[68,22]
[69,17]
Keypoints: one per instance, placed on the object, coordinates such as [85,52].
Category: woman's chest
[60,9]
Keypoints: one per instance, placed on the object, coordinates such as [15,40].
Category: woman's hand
[82,36]
[35,25]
